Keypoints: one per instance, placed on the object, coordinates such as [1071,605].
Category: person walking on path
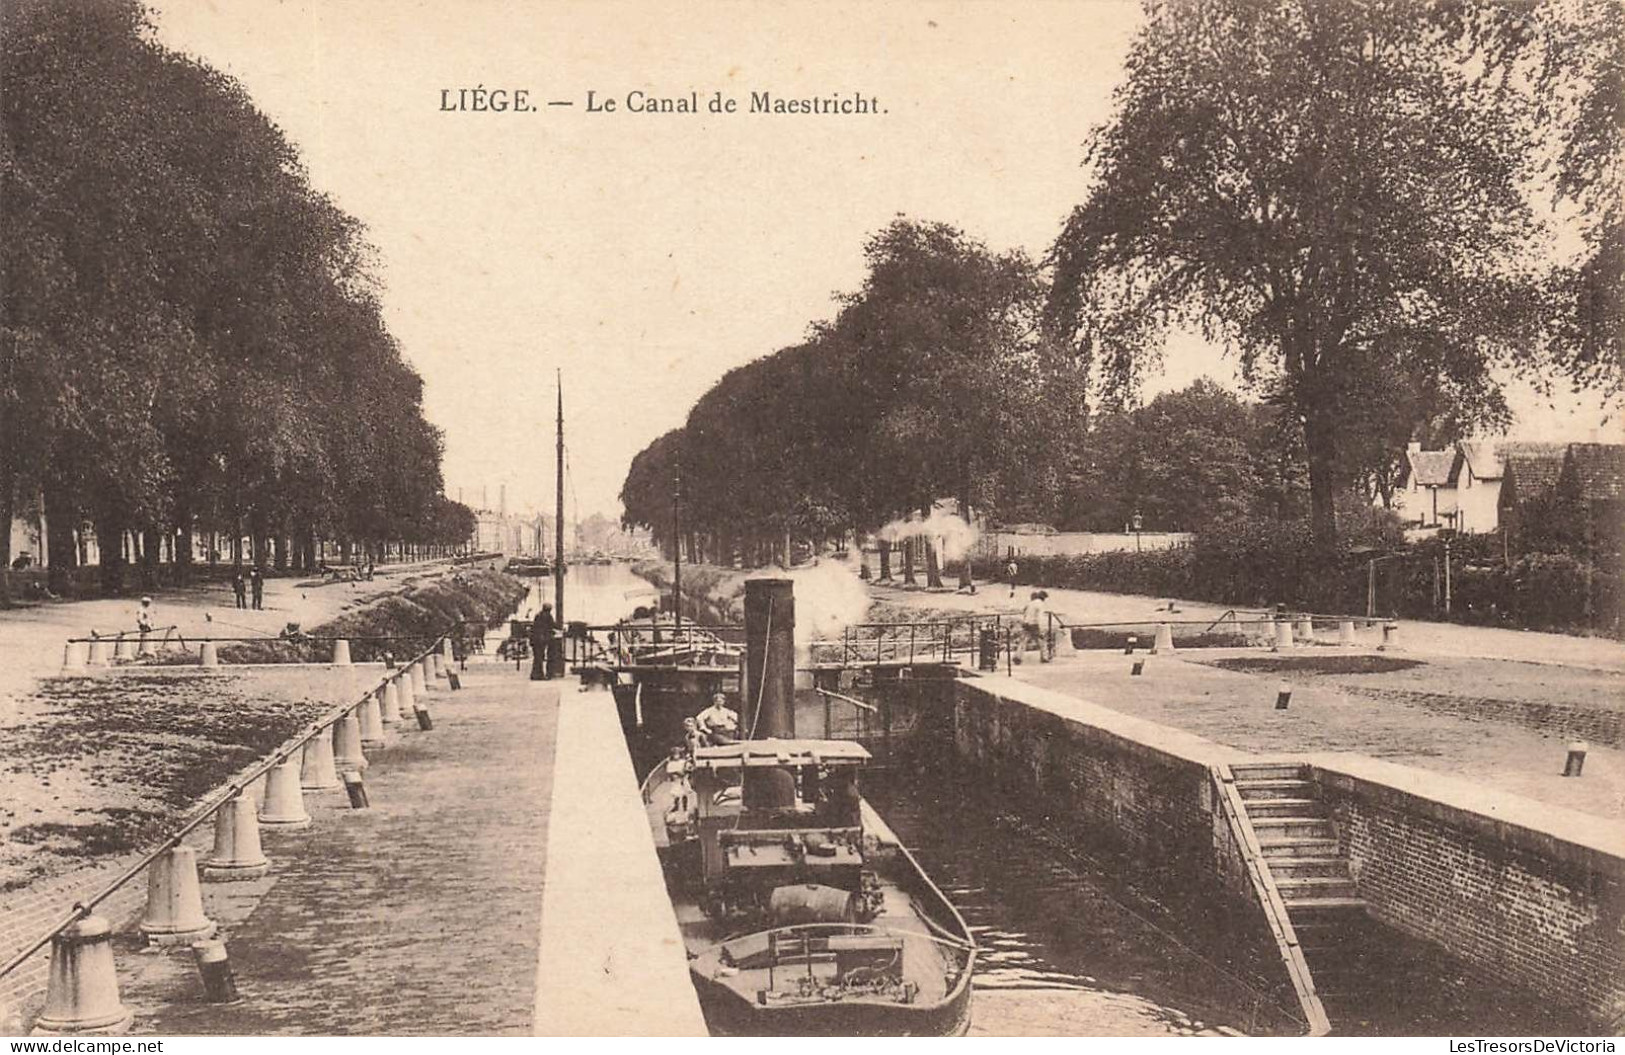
[256,579]
[541,644]
[1032,626]
[1010,572]
[240,588]
[145,620]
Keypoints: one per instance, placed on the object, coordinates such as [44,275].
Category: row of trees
[1360,201]
[934,379]
[190,334]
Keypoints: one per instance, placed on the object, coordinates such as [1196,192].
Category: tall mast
[558,519]
[677,544]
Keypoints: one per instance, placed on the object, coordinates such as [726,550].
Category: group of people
[254,582]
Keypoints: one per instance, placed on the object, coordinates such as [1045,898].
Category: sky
[642,255]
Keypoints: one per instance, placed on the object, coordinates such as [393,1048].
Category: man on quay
[541,642]
[256,580]
[1032,626]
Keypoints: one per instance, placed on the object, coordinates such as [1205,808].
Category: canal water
[1060,955]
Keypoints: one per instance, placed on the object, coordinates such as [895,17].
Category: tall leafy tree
[1328,189]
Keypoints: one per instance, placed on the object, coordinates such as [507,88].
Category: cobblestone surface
[418,916]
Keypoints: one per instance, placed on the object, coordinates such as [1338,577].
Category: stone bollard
[1283,696]
[347,744]
[1345,632]
[1062,645]
[123,649]
[214,967]
[210,654]
[74,656]
[1306,631]
[391,701]
[1576,760]
[387,711]
[341,653]
[1165,639]
[1390,636]
[437,663]
[371,723]
[317,772]
[1137,669]
[82,994]
[425,722]
[414,670]
[98,655]
[284,807]
[174,900]
[403,683]
[237,854]
[426,672]
[1283,633]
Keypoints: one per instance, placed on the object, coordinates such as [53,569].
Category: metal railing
[212,803]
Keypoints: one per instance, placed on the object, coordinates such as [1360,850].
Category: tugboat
[803,914]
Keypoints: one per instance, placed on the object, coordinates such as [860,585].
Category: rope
[761,686]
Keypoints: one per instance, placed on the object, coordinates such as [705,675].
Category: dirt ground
[98,765]
[1391,715]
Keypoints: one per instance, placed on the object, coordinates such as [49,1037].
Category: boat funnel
[767,703]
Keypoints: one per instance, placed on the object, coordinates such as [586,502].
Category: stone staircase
[1299,844]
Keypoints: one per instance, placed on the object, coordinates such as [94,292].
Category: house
[1590,494]
[1529,474]
[1425,493]
[1479,477]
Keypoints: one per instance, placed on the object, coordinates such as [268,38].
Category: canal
[1061,954]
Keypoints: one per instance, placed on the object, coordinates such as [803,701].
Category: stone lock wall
[1134,794]
[1536,909]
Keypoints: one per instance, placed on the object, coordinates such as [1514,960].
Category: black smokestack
[767,706]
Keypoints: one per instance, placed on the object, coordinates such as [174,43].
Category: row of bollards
[82,994]
[77,655]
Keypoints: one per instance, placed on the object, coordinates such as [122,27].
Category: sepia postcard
[538,518]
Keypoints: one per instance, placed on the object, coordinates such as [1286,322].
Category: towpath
[429,913]
[31,639]
[1418,636]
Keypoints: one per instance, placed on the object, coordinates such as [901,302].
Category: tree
[1325,188]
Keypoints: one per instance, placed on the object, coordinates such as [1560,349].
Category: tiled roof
[1431,468]
[1535,470]
[1599,469]
[1487,458]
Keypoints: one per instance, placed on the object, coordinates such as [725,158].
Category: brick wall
[1137,795]
[1527,906]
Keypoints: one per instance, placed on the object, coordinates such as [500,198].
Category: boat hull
[727,1015]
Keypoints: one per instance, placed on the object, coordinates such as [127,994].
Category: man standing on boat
[718,723]
[541,643]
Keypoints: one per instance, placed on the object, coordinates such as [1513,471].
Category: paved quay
[430,913]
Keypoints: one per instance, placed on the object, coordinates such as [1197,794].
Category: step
[1297,845]
[1314,886]
[1252,790]
[1299,827]
[1286,808]
[1321,906]
[1269,771]
[1303,867]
